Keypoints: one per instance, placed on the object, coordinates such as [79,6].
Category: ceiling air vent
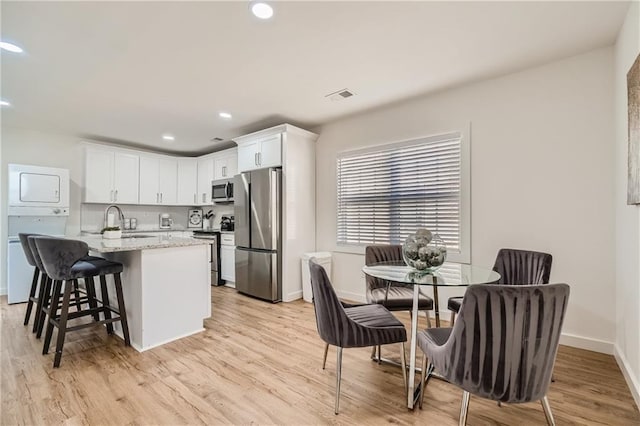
[339,95]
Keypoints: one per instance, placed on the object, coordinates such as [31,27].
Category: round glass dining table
[448,275]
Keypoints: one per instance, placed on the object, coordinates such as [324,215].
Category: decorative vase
[424,250]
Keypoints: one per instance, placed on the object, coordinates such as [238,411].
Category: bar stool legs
[121,308]
[32,297]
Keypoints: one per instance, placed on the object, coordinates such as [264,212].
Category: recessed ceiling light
[4,103]
[261,10]
[168,137]
[10,47]
[225,115]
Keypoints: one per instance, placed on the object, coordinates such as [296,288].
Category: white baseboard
[632,381]
[587,343]
[294,295]
[351,297]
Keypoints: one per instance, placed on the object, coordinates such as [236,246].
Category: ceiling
[127,72]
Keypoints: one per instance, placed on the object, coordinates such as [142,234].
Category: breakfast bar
[166,285]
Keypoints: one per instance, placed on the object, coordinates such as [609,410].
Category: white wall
[41,149]
[627,218]
[542,173]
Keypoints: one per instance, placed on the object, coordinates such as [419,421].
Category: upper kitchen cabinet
[187,181]
[225,164]
[158,180]
[257,152]
[111,176]
[205,177]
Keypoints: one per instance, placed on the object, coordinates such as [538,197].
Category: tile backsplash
[92,215]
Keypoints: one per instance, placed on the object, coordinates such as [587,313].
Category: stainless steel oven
[222,191]
[214,260]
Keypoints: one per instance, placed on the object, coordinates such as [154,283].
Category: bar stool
[44,295]
[65,261]
[33,298]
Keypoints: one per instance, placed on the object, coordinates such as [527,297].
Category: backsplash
[92,215]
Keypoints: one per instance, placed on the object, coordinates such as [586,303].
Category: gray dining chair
[516,267]
[503,346]
[352,326]
[394,296]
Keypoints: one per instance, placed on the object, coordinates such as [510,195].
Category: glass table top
[449,274]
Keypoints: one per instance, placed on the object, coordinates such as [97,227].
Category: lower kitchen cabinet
[228,263]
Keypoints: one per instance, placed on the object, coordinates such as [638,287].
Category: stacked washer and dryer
[38,204]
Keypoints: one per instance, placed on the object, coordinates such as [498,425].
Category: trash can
[323,258]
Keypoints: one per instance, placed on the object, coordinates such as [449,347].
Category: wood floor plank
[261,363]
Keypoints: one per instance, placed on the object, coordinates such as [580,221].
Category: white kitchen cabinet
[225,165]
[205,177]
[110,176]
[187,182]
[259,153]
[158,180]
[228,263]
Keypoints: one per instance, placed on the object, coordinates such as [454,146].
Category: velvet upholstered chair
[503,346]
[352,326]
[516,267]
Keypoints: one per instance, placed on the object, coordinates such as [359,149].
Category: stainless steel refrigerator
[258,223]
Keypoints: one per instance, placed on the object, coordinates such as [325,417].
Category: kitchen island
[166,284]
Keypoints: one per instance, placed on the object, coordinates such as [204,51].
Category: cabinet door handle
[157,198]
[116,196]
[259,159]
[161,197]
[255,158]
[204,199]
[111,195]
[224,171]
[194,198]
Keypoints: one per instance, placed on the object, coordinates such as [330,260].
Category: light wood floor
[261,363]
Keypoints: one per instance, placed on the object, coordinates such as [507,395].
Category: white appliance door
[39,188]
[20,273]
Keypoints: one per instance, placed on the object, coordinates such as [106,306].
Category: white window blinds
[386,193]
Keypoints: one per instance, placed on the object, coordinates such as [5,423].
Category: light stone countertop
[142,242]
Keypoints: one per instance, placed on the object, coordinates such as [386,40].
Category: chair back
[373,254]
[503,344]
[28,253]
[331,319]
[522,267]
[59,254]
[31,241]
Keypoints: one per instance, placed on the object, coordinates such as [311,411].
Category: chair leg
[32,295]
[62,322]
[422,377]
[324,360]
[46,302]
[105,300]
[379,355]
[547,411]
[76,294]
[464,408]
[338,377]
[403,361]
[453,318]
[41,296]
[53,311]
[122,310]
[428,319]
[373,352]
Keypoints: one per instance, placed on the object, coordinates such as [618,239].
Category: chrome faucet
[120,215]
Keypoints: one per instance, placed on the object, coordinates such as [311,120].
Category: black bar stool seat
[65,261]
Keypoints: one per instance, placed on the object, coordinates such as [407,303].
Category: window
[387,192]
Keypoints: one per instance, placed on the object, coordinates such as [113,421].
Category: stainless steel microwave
[222,191]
